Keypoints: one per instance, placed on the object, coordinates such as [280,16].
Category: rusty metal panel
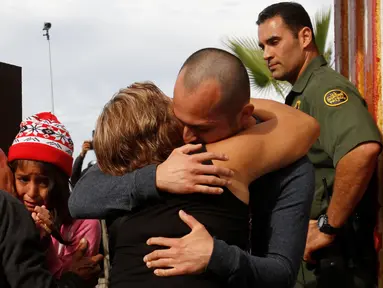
[341,36]
[358,57]
[356,43]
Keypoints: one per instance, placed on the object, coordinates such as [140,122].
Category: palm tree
[248,51]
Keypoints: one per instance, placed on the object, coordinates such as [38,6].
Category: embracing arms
[285,135]
[97,195]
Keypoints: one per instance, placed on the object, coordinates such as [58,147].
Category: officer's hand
[315,241]
[182,173]
[187,255]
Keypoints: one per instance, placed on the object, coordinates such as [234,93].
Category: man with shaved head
[211,94]
[212,100]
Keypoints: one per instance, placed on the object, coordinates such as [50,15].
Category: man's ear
[246,114]
[305,36]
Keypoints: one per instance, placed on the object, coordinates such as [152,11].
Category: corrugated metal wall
[358,56]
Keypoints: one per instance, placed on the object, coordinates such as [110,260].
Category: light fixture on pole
[47,27]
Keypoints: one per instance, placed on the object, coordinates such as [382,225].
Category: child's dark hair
[58,195]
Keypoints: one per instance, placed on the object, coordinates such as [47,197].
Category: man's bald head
[211,96]
[223,67]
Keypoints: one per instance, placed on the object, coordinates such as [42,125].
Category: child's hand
[43,218]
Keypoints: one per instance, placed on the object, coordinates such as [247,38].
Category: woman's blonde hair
[136,128]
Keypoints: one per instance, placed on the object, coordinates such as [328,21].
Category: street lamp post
[47,27]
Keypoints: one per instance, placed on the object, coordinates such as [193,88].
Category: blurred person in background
[77,171]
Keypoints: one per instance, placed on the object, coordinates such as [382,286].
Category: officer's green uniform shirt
[343,117]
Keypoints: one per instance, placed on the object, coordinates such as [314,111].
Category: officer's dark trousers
[334,271]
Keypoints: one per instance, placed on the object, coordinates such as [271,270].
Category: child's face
[32,186]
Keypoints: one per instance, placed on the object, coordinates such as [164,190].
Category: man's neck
[309,58]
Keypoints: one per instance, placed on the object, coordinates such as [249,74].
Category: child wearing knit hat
[41,160]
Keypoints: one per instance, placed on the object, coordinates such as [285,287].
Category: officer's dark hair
[224,67]
[293,14]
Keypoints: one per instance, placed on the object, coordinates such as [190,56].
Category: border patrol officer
[339,247]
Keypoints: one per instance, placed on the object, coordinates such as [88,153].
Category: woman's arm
[285,136]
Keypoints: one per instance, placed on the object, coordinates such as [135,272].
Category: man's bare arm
[285,135]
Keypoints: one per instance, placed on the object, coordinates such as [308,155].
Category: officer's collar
[302,81]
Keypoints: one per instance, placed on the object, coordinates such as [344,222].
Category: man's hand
[87,268]
[182,173]
[86,146]
[187,255]
[315,241]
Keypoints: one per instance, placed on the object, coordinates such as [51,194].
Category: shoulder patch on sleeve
[335,97]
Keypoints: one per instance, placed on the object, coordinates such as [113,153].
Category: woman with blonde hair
[136,128]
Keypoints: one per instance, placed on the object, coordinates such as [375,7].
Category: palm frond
[321,24]
[328,56]
[251,55]
[248,51]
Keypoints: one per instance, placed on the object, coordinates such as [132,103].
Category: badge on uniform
[297,104]
[335,97]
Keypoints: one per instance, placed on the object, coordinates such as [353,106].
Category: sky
[99,47]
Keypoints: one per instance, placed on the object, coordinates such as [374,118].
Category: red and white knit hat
[43,138]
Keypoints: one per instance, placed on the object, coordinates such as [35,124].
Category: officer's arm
[351,138]
[352,176]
